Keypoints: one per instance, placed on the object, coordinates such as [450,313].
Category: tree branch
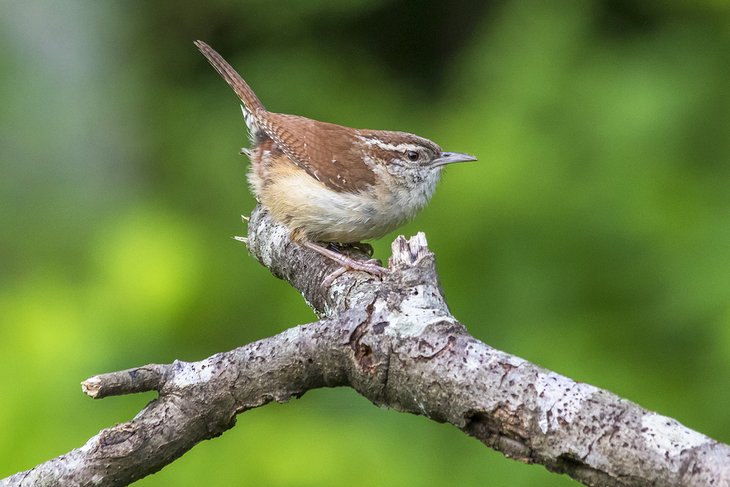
[396,343]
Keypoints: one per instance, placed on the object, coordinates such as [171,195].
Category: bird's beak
[450,158]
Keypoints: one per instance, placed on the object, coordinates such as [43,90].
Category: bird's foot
[371,266]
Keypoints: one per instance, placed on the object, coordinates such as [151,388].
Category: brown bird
[333,184]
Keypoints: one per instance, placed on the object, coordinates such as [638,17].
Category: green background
[592,237]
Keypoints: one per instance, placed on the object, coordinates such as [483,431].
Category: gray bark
[396,343]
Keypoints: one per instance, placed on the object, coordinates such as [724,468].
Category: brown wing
[328,152]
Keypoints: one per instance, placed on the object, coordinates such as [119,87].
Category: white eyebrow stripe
[395,147]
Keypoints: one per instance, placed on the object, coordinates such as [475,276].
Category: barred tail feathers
[251,102]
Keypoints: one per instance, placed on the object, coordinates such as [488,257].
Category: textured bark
[396,343]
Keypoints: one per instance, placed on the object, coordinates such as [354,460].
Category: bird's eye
[412,155]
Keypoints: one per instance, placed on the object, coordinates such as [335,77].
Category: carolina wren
[329,183]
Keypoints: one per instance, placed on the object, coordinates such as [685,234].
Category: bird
[333,185]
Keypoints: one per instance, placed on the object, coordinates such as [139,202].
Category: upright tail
[250,101]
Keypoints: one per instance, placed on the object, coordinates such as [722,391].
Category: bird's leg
[370,266]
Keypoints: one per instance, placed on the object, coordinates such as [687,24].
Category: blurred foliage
[593,237]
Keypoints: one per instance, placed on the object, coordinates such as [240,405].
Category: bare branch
[397,344]
[140,379]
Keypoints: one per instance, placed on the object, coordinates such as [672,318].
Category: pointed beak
[450,158]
